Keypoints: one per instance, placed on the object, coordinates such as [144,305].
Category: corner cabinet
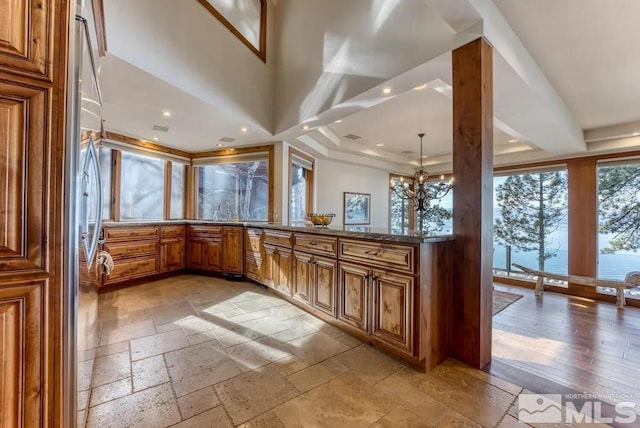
[215,249]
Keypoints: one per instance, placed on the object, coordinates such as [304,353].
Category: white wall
[329,51]
[334,178]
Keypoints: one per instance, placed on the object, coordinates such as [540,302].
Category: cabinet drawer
[254,240]
[253,266]
[126,233]
[398,257]
[171,231]
[316,244]
[122,250]
[278,237]
[204,230]
[124,270]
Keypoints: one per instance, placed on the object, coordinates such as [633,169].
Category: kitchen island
[392,291]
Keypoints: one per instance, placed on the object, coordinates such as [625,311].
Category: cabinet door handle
[313,243]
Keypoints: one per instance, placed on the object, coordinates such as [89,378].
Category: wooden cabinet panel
[303,277]
[253,240]
[270,266]
[195,253]
[324,285]
[120,250]
[254,266]
[172,231]
[278,237]
[172,254]
[397,257]
[21,329]
[316,244]
[24,190]
[128,269]
[393,309]
[353,289]
[26,37]
[114,234]
[233,250]
[195,230]
[213,255]
[283,263]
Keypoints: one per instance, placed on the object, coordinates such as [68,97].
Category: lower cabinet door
[393,309]
[171,254]
[302,276]
[353,298]
[284,262]
[213,255]
[195,254]
[270,266]
[324,285]
[233,250]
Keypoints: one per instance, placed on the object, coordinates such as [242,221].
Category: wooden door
[233,250]
[324,285]
[213,255]
[353,295]
[393,310]
[303,277]
[284,261]
[33,71]
[195,253]
[270,265]
[172,254]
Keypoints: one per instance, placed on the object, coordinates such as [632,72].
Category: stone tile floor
[195,351]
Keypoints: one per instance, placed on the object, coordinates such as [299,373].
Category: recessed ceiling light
[306,127]
[166,113]
[338,121]
[244,129]
[420,87]
[386,90]
[635,134]
[379,145]
[155,138]
[220,144]
[512,141]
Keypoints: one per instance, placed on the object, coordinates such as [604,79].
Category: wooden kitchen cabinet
[353,295]
[233,254]
[135,251]
[277,268]
[303,277]
[195,253]
[213,258]
[392,310]
[172,254]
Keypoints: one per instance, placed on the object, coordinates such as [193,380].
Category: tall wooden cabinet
[33,66]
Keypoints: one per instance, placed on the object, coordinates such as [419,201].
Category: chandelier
[421,192]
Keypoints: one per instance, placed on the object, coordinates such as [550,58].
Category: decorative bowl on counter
[322,220]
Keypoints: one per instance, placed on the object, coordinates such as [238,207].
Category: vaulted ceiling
[379,70]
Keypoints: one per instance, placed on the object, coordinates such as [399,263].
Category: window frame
[310,182]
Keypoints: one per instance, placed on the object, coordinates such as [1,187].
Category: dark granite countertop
[362,232]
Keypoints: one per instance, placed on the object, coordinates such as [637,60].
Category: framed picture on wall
[356,208]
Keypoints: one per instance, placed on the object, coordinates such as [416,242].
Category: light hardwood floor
[195,351]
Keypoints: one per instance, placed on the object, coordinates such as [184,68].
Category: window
[105,159]
[400,210]
[176,209]
[246,19]
[438,219]
[232,189]
[530,222]
[619,220]
[301,185]
[141,187]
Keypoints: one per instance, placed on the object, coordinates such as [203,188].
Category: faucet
[220,207]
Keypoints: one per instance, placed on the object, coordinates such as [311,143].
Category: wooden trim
[231,152]
[310,178]
[190,193]
[584,293]
[116,174]
[261,52]
[167,190]
[101,32]
[271,207]
[560,161]
[135,142]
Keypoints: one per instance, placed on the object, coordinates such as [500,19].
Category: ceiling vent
[352,137]
[227,139]
[160,128]
[407,152]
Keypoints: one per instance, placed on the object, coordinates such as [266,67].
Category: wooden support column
[583,220]
[472,202]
